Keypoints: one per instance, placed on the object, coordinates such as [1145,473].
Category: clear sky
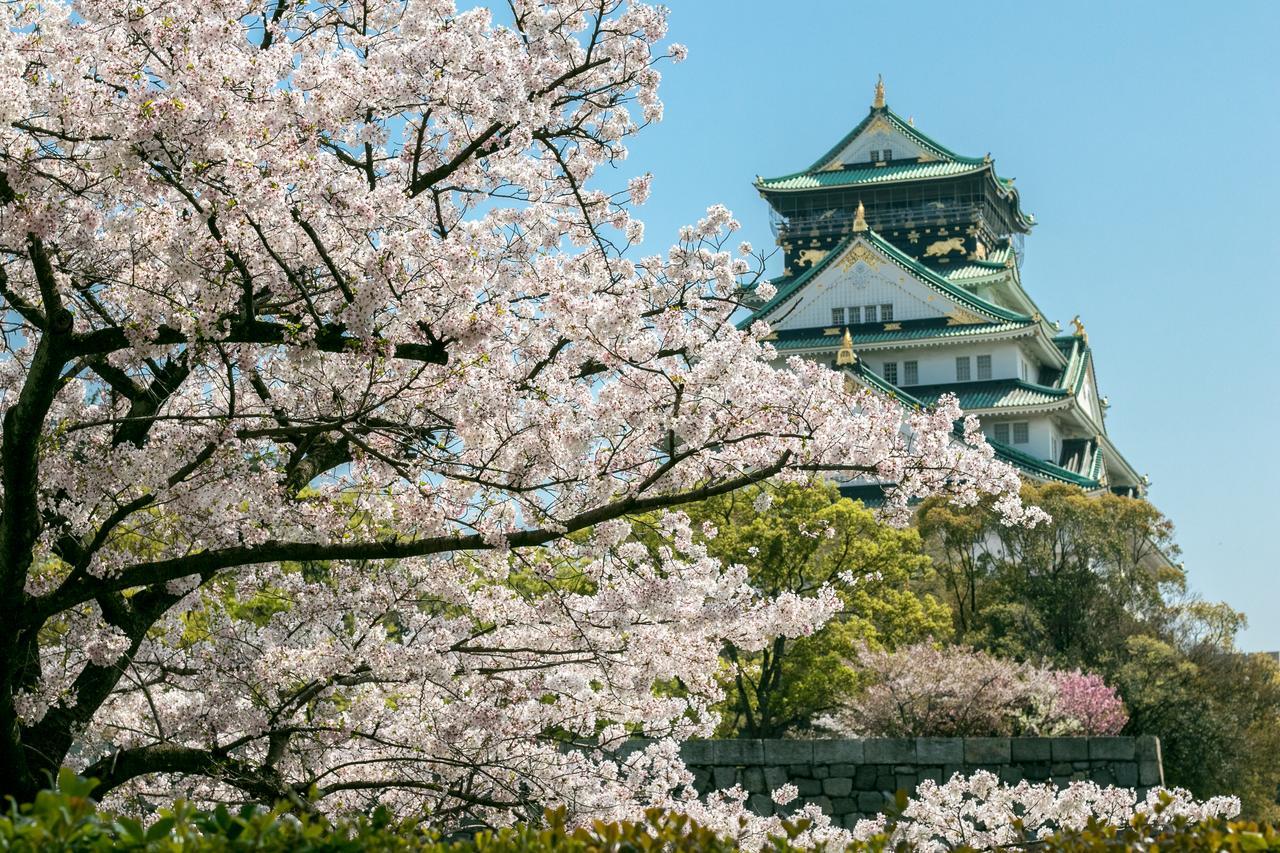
[1142,137]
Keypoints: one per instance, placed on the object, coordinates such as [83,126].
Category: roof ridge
[952,288]
[917,136]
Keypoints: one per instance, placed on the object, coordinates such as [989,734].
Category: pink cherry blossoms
[931,691]
[318,341]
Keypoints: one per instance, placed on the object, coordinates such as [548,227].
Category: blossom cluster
[931,691]
[974,812]
[327,387]
[982,813]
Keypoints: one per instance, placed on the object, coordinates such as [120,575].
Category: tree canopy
[323,311]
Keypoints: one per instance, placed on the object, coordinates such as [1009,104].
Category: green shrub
[66,819]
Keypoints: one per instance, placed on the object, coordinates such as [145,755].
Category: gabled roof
[937,282]
[1042,468]
[935,161]
[906,128]
[1025,462]
[940,328]
[909,171]
[993,394]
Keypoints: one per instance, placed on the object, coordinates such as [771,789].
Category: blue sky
[1141,137]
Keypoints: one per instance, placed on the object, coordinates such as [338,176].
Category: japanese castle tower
[902,265]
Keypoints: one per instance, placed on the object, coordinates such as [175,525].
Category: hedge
[67,820]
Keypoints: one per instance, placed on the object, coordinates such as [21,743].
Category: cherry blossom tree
[321,334]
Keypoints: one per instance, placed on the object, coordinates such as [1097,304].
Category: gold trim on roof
[878,103]
[845,355]
[860,252]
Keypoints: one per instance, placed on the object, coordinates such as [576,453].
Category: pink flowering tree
[1087,704]
[320,335]
[925,690]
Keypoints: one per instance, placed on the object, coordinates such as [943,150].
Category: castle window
[837,316]
[886,154]
[875,154]
[962,368]
[855,315]
[1021,432]
[886,313]
[1001,433]
[984,367]
[910,372]
[868,313]
[891,371]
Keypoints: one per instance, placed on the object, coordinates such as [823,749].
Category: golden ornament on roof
[860,218]
[878,103]
[845,355]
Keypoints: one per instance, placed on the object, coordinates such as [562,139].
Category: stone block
[1102,775]
[905,782]
[843,770]
[843,805]
[738,751]
[986,750]
[775,778]
[821,771]
[1149,773]
[939,750]
[1036,771]
[697,753]
[885,750]
[823,803]
[843,751]
[870,802]
[1126,774]
[1111,748]
[808,787]
[1011,775]
[949,770]
[934,773]
[837,787]
[760,804]
[702,780]
[788,751]
[1069,748]
[724,777]
[800,769]
[1147,748]
[886,780]
[753,780]
[1024,749]
[865,777]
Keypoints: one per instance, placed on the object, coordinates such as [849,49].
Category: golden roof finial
[1079,328]
[878,103]
[845,355]
[860,218]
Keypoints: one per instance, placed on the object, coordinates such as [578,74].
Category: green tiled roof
[929,277]
[875,333]
[1041,467]
[906,128]
[995,264]
[992,394]
[869,175]
[1023,461]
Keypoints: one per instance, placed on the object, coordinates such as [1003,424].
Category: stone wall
[852,779]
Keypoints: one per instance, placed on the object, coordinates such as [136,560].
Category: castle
[902,267]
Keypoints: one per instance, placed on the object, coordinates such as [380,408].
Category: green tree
[1098,588]
[796,540]
[1070,590]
